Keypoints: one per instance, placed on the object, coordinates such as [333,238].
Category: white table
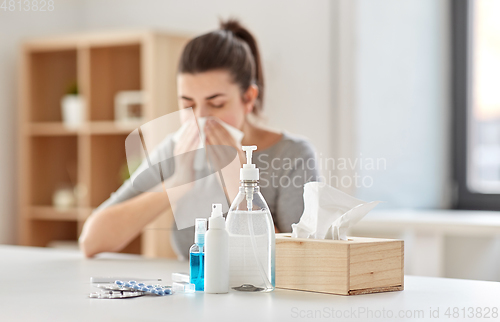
[40,284]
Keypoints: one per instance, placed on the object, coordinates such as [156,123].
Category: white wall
[402,78]
[15,26]
[472,257]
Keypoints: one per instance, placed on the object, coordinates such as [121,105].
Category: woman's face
[213,93]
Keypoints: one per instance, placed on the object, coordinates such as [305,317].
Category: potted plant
[72,106]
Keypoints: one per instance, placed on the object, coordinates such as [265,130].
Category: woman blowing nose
[220,77]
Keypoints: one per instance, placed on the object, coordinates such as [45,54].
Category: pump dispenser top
[249,172]
[216,220]
[200,230]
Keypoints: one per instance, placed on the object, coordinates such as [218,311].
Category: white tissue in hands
[235,133]
[200,158]
[329,212]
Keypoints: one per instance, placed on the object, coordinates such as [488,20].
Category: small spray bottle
[197,255]
[251,234]
[217,253]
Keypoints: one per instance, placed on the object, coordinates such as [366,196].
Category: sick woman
[220,79]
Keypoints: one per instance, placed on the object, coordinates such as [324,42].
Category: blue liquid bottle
[197,255]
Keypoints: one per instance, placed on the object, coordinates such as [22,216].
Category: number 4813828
[27,5]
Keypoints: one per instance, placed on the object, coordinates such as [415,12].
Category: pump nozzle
[248,149]
[249,172]
[216,220]
[200,230]
[216,210]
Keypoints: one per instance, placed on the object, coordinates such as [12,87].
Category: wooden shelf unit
[90,156]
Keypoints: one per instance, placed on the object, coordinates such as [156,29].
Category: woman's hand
[184,153]
[224,159]
[218,135]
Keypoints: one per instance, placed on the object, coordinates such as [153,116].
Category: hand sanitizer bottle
[251,234]
[197,255]
[217,253]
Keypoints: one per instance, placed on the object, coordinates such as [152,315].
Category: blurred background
[406,91]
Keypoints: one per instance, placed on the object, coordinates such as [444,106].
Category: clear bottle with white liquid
[251,234]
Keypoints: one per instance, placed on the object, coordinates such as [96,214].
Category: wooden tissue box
[346,267]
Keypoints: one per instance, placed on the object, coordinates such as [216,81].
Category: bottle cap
[249,172]
[216,220]
[200,230]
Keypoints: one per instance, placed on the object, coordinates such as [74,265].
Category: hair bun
[232,25]
[240,32]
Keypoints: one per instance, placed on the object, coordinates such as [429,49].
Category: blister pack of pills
[103,294]
[130,289]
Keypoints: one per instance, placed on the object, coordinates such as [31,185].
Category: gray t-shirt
[284,169]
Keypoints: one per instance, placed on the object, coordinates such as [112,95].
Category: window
[476,103]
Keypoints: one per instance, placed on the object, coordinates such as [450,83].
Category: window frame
[461,27]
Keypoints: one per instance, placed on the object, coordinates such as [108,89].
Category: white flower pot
[72,110]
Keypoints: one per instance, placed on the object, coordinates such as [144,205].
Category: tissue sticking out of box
[329,212]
